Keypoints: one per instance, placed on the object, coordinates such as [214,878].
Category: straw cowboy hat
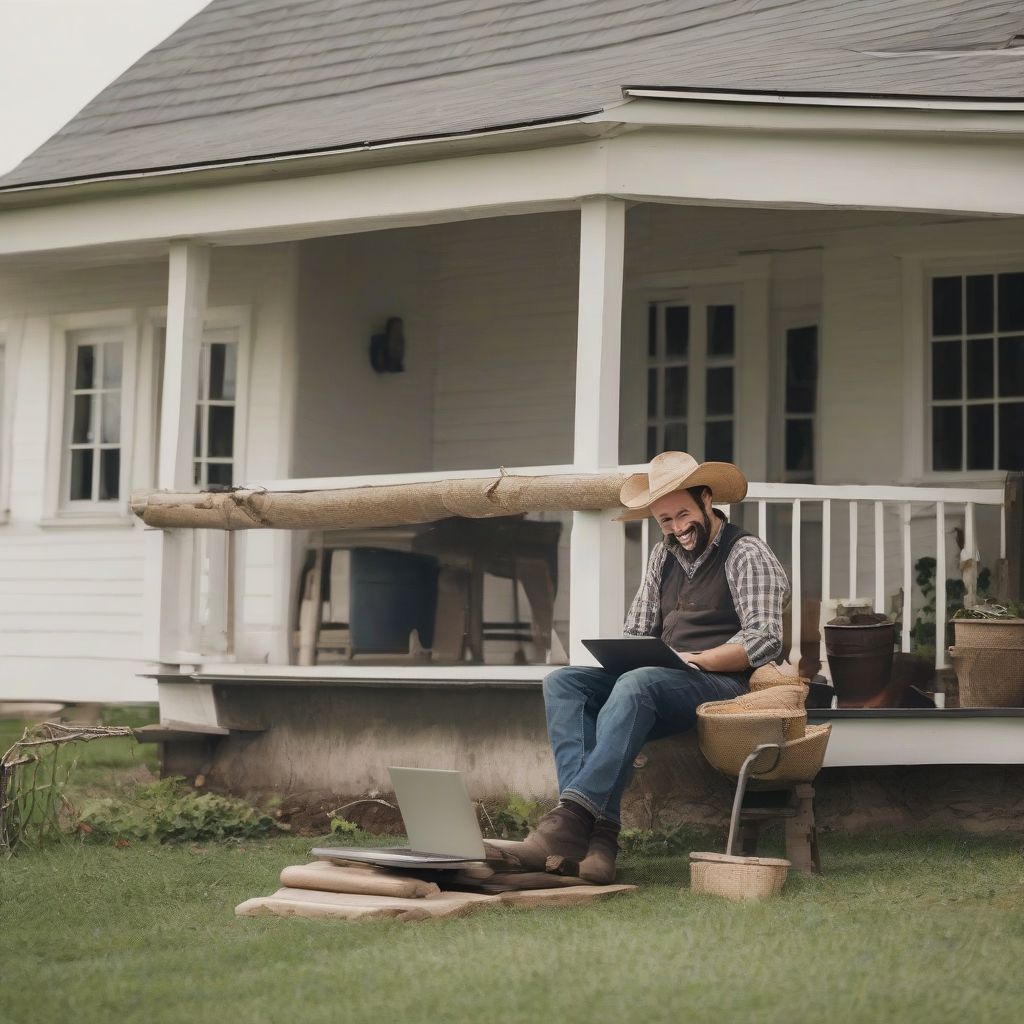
[674,471]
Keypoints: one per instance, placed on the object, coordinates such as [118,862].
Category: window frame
[56,505]
[238,318]
[697,298]
[918,272]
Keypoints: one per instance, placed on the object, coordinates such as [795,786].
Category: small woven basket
[1000,634]
[771,675]
[989,677]
[737,878]
[783,698]
[801,759]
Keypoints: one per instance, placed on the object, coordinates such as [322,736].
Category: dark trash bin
[391,593]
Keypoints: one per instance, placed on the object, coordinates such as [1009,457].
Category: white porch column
[168,633]
[597,547]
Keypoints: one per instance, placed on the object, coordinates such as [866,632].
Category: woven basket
[737,878]
[770,675]
[988,677]
[727,734]
[781,698]
[1001,634]
[801,759]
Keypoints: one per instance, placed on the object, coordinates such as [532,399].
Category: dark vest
[699,614]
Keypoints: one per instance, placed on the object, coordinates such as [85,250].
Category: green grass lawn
[898,929]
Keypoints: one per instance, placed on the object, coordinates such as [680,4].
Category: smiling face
[688,519]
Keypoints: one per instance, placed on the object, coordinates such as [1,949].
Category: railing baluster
[908,579]
[940,584]
[879,557]
[826,579]
[795,605]
[762,520]
[970,553]
[853,551]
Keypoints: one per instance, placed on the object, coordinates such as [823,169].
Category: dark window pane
[81,421]
[980,368]
[110,474]
[721,330]
[652,330]
[85,367]
[222,430]
[1011,367]
[947,438]
[1011,436]
[197,473]
[1011,302]
[218,474]
[980,437]
[652,392]
[676,383]
[718,442]
[719,399]
[946,370]
[675,437]
[110,426]
[980,303]
[677,330]
[799,446]
[222,371]
[652,442]
[81,474]
[197,448]
[946,312]
[801,369]
[113,355]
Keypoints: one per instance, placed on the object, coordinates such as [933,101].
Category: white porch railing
[920,517]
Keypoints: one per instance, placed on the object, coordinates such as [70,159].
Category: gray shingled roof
[246,78]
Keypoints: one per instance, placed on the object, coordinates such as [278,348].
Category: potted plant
[988,655]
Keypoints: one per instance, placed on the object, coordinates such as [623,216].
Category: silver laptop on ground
[440,821]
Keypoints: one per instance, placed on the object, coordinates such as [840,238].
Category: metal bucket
[860,660]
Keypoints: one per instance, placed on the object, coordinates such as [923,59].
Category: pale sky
[56,55]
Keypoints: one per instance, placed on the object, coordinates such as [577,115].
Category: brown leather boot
[598,867]
[561,833]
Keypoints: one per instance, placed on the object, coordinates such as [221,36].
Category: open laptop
[627,653]
[440,821]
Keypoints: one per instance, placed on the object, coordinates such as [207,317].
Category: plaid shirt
[757,582]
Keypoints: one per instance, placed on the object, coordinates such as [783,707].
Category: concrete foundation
[323,745]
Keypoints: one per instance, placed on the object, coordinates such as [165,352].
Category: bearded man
[714,593]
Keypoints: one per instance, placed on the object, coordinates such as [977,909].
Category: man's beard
[702,534]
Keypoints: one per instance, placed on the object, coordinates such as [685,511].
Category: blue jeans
[597,723]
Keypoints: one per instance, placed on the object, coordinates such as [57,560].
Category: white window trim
[918,269]
[216,317]
[55,506]
[7,391]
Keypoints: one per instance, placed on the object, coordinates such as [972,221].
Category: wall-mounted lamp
[387,350]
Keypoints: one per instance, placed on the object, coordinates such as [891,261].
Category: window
[976,371]
[214,451]
[801,403]
[691,379]
[92,448]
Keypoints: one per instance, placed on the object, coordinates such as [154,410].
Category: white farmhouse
[787,234]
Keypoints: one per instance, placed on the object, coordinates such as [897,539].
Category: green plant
[167,812]
[923,631]
[645,842]
[344,827]
[516,817]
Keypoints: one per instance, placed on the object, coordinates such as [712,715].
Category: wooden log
[288,901]
[327,877]
[569,896]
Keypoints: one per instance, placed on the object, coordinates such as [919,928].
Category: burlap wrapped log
[387,505]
